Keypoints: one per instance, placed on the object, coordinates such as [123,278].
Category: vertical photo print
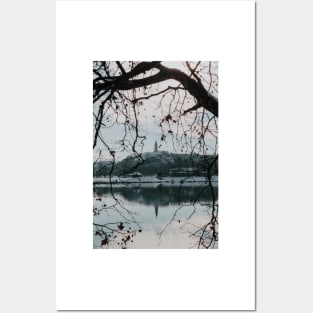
[155,155]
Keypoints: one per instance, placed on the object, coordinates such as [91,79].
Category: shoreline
[152,181]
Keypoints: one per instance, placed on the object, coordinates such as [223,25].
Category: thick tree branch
[126,82]
[121,67]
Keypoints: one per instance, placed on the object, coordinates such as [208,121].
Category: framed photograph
[155,155]
[155,162]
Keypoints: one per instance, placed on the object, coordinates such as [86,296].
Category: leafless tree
[181,100]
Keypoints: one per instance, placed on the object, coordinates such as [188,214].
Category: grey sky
[151,112]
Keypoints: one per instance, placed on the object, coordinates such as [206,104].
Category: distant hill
[162,164]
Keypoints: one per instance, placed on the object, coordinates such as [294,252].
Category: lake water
[155,218]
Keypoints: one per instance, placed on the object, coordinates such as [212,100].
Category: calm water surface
[155,218]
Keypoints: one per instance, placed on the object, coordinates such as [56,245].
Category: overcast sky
[149,121]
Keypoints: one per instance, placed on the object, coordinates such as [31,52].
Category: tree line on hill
[162,165]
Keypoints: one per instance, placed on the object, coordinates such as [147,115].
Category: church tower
[155,147]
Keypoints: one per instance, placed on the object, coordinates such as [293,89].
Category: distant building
[132,175]
[155,147]
[156,208]
[183,171]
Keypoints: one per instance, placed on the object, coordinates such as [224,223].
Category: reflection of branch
[171,220]
[207,234]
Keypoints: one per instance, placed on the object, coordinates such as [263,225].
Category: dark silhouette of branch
[188,107]
[126,82]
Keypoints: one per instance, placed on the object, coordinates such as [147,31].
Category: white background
[155,279]
[27,124]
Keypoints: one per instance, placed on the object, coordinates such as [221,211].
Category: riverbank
[153,181]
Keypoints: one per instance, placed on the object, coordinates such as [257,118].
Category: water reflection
[161,196]
[162,217]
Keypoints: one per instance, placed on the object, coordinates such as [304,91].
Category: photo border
[89,279]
